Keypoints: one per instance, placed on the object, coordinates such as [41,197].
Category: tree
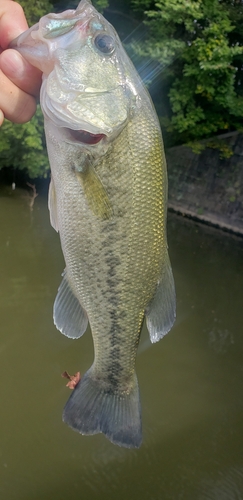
[34,10]
[23,146]
[199,45]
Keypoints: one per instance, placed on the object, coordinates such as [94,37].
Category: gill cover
[85,71]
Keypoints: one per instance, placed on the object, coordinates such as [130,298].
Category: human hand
[19,81]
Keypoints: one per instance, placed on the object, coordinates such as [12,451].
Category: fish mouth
[85,137]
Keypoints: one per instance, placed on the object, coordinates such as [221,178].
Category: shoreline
[211,220]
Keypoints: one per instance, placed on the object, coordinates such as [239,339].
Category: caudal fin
[91,409]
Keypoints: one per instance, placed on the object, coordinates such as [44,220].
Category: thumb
[20,72]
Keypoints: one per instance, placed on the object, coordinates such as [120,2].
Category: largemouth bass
[107,199]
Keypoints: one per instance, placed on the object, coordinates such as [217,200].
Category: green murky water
[191,383]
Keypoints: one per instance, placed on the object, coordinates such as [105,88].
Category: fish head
[88,79]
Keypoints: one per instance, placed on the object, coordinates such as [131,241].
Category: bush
[199,46]
[23,146]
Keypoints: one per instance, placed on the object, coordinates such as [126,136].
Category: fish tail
[91,409]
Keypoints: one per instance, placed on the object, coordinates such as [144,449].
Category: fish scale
[107,199]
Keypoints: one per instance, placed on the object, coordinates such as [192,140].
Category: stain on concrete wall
[207,186]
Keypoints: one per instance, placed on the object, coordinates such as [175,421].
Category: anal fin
[69,316]
[161,311]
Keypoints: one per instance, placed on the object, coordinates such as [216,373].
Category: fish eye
[105,43]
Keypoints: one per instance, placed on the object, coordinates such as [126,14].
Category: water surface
[190,382]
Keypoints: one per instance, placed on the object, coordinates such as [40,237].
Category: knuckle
[27,110]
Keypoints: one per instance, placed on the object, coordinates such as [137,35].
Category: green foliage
[34,10]
[225,151]
[61,5]
[199,44]
[23,146]
[100,5]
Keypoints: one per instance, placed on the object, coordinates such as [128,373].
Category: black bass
[107,199]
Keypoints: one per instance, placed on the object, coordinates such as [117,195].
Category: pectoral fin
[95,193]
[69,316]
[52,205]
[161,311]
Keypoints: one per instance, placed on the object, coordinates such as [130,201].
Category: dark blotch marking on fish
[112,279]
[111,260]
[113,300]
[114,367]
[112,272]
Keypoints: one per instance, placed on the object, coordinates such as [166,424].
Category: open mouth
[86,137]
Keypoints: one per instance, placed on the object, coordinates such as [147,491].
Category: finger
[12,22]
[20,72]
[15,104]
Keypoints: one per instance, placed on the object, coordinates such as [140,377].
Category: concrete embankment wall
[207,186]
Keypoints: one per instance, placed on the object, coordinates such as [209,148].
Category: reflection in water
[190,382]
[220,340]
[228,485]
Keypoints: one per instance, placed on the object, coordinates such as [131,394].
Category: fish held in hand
[107,199]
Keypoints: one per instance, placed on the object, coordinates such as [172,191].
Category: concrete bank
[208,187]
